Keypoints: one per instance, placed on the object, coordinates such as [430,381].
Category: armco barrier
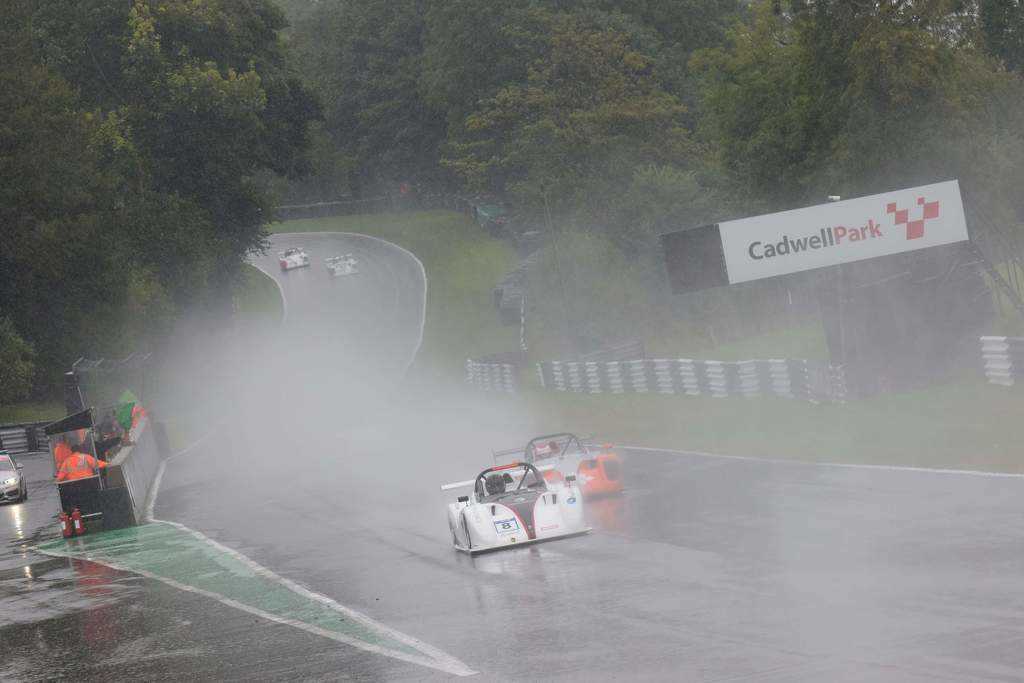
[492,376]
[1003,358]
[496,372]
[18,439]
[799,379]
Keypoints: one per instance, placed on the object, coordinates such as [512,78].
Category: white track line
[437,659]
[280,289]
[853,466]
[442,660]
[154,490]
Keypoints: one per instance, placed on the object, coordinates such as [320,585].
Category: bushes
[16,364]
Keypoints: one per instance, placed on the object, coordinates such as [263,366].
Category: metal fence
[1003,359]
[380,204]
[788,378]
[341,207]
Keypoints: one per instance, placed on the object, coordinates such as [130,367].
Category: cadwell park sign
[819,236]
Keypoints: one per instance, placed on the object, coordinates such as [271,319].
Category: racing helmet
[495,484]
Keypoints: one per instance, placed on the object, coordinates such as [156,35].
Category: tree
[853,98]
[16,366]
[1001,23]
[135,137]
[200,90]
[569,139]
[363,58]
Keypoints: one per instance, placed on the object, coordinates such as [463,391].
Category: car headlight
[10,482]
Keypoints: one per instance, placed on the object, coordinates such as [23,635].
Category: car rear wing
[592,444]
[470,482]
[457,484]
[506,452]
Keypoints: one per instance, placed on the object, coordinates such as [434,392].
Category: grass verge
[44,411]
[967,424]
[257,296]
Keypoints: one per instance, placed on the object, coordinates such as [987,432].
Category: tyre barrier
[492,376]
[1003,359]
[798,379]
[19,439]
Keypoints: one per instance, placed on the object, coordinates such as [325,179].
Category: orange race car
[598,471]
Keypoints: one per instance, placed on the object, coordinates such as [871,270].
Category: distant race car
[293,258]
[341,265]
[13,487]
[598,471]
[512,505]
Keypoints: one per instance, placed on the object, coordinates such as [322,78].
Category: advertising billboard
[842,232]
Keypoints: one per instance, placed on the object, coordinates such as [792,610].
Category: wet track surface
[704,569]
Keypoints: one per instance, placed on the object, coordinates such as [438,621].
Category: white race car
[514,505]
[341,265]
[293,258]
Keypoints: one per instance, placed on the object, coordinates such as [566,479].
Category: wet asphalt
[706,568]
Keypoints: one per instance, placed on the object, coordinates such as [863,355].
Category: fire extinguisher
[65,525]
[78,522]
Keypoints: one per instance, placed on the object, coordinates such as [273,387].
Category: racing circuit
[322,479]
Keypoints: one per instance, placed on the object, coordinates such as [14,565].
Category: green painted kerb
[169,552]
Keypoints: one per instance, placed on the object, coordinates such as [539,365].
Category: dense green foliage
[16,366]
[605,122]
[139,139]
[847,98]
[134,137]
[1002,30]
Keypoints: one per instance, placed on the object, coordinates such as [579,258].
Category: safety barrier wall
[492,376]
[1003,359]
[789,378]
[18,439]
[135,467]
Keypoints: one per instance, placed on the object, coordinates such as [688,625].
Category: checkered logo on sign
[915,227]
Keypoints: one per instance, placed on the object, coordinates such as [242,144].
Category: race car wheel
[451,528]
[465,527]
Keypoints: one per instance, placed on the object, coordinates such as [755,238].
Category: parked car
[13,488]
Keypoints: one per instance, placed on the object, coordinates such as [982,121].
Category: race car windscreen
[508,480]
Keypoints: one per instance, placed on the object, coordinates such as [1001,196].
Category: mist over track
[325,472]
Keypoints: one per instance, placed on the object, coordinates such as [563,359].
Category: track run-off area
[304,537]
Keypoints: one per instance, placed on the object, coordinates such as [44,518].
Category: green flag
[124,415]
[124,408]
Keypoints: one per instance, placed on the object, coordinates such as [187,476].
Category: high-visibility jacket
[60,453]
[78,466]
